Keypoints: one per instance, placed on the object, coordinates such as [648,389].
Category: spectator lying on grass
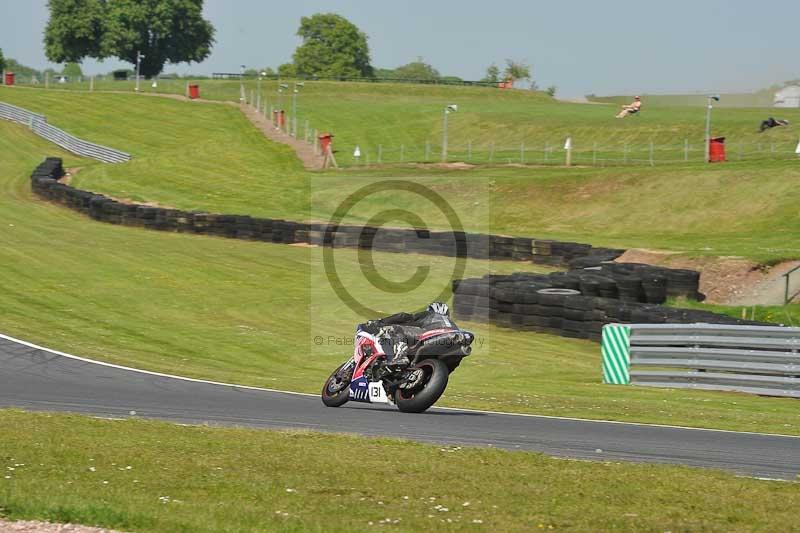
[772,123]
[631,108]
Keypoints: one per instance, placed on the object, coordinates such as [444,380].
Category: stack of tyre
[558,253]
[571,304]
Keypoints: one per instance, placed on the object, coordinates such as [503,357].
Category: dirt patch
[580,100]
[724,280]
[305,151]
[69,173]
[457,165]
[47,527]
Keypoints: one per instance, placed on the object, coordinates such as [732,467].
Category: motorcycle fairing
[365,391]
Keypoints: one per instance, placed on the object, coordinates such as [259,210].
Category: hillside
[758,99]
[208,157]
[402,122]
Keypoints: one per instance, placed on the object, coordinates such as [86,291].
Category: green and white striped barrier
[616,347]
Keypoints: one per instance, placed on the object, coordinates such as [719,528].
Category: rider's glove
[400,349]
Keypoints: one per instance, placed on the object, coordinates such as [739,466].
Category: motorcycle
[366,378]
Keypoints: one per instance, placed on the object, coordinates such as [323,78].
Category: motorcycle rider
[394,331]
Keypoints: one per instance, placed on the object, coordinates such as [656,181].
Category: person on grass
[632,108]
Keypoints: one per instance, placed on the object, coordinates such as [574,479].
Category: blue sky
[616,46]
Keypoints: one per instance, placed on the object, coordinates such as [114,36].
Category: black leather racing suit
[403,328]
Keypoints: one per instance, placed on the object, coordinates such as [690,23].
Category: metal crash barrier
[762,360]
[38,124]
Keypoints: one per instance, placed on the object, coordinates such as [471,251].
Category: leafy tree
[551,90]
[517,70]
[72,70]
[267,71]
[417,70]
[492,74]
[2,61]
[162,30]
[332,47]
[384,73]
[21,70]
[287,70]
[75,30]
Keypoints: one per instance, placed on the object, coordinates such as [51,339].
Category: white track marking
[148,372]
[455,409]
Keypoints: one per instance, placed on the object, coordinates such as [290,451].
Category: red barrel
[325,141]
[9,78]
[194,92]
[716,150]
[281,118]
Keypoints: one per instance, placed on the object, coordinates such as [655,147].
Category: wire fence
[361,79]
[554,153]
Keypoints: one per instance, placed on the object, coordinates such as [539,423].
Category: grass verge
[149,476]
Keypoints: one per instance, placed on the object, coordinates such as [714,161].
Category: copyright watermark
[333,340]
[393,245]
[338,340]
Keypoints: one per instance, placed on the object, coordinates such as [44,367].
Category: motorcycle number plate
[376,393]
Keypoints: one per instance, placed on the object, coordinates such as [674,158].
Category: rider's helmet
[637,97]
[439,308]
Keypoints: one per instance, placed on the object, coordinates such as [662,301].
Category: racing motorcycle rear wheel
[336,390]
[429,389]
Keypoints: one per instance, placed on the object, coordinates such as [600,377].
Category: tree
[551,91]
[287,70]
[2,61]
[22,70]
[492,74]
[383,73]
[332,47]
[75,30]
[517,70]
[162,30]
[72,71]
[417,70]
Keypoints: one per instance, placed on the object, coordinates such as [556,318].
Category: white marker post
[568,148]
[357,154]
[797,150]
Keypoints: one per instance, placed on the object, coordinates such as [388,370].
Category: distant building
[788,96]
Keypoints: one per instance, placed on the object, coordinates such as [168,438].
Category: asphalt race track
[39,379]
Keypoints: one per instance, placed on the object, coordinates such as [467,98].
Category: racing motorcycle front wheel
[336,390]
[428,381]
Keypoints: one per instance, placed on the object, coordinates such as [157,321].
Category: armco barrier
[761,360]
[38,124]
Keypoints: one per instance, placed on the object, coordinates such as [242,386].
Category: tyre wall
[580,302]
[44,183]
